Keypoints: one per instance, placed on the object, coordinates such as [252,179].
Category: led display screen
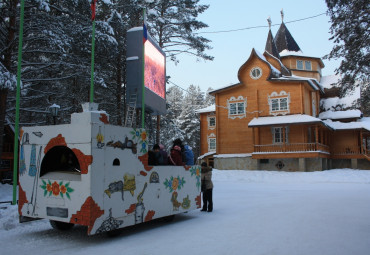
[154,75]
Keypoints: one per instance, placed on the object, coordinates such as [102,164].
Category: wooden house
[270,120]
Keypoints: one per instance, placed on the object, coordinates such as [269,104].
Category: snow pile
[340,114]
[329,81]
[290,53]
[211,108]
[337,125]
[336,103]
[260,176]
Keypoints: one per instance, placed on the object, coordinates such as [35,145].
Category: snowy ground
[255,212]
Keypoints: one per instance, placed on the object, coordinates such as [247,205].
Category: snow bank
[260,176]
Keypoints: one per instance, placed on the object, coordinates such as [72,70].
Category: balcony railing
[290,147]
[349,150]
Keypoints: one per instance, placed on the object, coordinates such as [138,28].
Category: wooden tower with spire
[292,56]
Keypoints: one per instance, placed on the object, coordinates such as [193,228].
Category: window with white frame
[211,122]
[212,142]
[237,107]
[304,65]
[278,135]
[255,73]
[299,64]
[307,65]
[279,103]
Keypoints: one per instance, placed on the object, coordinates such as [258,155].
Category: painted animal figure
[176,204]
[114,187]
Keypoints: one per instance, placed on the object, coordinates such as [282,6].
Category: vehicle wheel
[168,218]
[61,225]
[114,233]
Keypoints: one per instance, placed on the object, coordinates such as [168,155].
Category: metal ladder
[131,110]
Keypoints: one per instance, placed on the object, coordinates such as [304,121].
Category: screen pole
[16,128]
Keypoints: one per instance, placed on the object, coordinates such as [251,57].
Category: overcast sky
[232,49]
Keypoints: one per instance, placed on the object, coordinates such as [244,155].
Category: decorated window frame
[279,104]
[237,107]
[255,73]
[277,135]
[211,119]
[212,142]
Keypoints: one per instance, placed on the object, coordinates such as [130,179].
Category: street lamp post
[54,110]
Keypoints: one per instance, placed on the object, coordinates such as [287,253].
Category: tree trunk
[119,89]
[3,98]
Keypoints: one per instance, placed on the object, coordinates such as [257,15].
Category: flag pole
[143,85]
[16,131]
[93,8]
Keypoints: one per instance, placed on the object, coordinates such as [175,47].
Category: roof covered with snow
[311,81]
[223,88]
[336,115]
[337,125]
[243,155]
[206,154]
[281,120]
[329,80]
[211,108]
[332,103]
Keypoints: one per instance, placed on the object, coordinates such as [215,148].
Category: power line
[246,28]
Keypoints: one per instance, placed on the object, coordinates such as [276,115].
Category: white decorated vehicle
[95,174]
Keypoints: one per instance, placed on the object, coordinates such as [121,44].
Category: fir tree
[351,35]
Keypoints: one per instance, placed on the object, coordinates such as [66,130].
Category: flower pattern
[56,189]
[140,136]
[195,170]
[174,183]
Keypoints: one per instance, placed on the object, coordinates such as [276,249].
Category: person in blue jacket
[189,156]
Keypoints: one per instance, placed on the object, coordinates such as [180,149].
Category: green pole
[92,63]
[143,85]
[16,131]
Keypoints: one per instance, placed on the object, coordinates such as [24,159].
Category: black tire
[61,225]
[169,218]
[115,232]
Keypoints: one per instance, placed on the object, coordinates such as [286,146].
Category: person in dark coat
[207,187]
[178,142]
[163,152]
[175,157]
[155,157]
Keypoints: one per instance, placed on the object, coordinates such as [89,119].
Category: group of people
[179,155]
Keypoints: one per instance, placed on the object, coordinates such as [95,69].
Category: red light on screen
[154,74]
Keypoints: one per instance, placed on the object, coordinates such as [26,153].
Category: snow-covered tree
[174,24]
[189,120]
[209,100]
[350,32]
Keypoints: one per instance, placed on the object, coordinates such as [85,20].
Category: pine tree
[350,33]
[189,120]
[174,23]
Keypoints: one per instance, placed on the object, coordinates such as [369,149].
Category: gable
[257,61]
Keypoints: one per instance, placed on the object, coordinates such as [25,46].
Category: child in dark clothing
[207,187]
[155,157]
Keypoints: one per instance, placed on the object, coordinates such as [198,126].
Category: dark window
[60,159]
[116,162]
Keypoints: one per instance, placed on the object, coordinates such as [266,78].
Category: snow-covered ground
[255,212]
